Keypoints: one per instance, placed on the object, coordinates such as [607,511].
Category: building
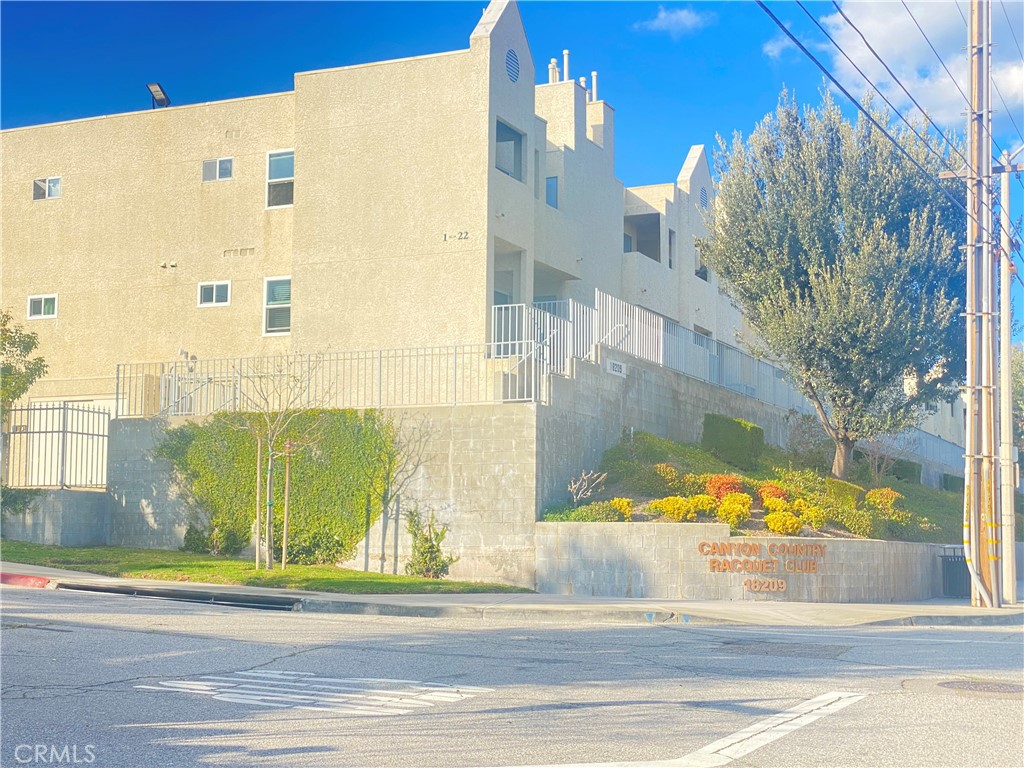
[414,205]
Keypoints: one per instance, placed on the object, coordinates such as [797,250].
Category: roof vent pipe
[553,71]
[593,84]
[565,63]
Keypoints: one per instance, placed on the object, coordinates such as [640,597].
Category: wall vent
[512,65]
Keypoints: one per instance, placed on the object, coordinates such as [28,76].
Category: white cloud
[677,21]
[892,33]
[775,47]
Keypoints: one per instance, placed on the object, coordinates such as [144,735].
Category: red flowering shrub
[720,485]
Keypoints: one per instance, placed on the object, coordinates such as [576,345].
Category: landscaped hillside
[650,478]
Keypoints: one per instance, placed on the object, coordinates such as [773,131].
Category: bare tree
[272,393]
[882,452]
[399,442]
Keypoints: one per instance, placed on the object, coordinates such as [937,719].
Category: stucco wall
[669,560]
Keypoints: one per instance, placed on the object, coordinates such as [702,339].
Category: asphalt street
[114,680]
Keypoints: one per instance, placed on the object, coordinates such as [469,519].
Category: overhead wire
[952,79]
[867,114]
[896,111]
[1010,25]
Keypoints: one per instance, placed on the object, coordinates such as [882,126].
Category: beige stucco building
[372,207]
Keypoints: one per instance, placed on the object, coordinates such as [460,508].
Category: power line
[943,63]
[1010,25]
[867,79]
[878,90]
[824,70]
[1009,112]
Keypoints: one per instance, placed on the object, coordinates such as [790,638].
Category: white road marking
[724,751]
[303,690]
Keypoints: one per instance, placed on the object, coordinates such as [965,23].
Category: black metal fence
[55,445]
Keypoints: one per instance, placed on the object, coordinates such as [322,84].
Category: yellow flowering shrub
[775,504]
[669,474]
[675,508]
[704,504]
[785,523]
[735,509]
[625,506]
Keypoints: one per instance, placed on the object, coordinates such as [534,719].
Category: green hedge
[216,466]
[735,441]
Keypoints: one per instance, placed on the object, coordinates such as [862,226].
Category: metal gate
[55,445]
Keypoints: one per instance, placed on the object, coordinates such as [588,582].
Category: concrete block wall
[679,561]
[147,510]
[478,475]
[63,518]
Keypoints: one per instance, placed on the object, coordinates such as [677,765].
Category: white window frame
[217,177]
[206,304]
[266,192]
[266,281]
[42,296]
[46,181]
[519,171]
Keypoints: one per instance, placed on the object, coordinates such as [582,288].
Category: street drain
[982,687]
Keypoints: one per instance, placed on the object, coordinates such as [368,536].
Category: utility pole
[981,531]
[1007,473]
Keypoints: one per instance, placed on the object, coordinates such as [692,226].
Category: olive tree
[843,257]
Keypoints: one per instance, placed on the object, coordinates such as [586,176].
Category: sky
[677,74]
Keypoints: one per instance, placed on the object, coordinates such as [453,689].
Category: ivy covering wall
[333,468]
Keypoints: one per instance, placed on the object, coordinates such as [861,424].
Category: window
[627,243]
[277,305]
[700,269]
[215,294]
[217,170]
[508,157]
[551,191]
[671,249]
[40,307]
[46,189]
[280,178]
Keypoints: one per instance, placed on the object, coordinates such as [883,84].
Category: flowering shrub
[703,504]
[810,514]
[883,498]
[669,474]
[595,512]
[720,486]
[692,484]
[854,520]
[775,504]
[675,508]
[769,490]
[625,507]
[735,509]
[785,523]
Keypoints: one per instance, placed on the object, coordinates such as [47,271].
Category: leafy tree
[1017,385]
[18,370]
[843,257]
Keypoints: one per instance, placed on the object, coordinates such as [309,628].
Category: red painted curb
[21,580]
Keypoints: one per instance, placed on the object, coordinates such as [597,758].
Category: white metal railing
[511,371]
[649,336]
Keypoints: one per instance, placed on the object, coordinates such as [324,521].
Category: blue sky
[677,74]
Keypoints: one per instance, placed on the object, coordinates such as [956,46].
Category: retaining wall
[701,561]
[64,518]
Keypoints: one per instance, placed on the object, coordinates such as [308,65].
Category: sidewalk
[533,607]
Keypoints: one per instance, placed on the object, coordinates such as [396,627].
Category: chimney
[593,84]
[565,63]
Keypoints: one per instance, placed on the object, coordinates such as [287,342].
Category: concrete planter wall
[701,561]
[63,518]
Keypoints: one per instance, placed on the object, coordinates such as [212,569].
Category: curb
[21,580]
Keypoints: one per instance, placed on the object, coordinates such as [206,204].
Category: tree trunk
[269,522]
[844,457]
